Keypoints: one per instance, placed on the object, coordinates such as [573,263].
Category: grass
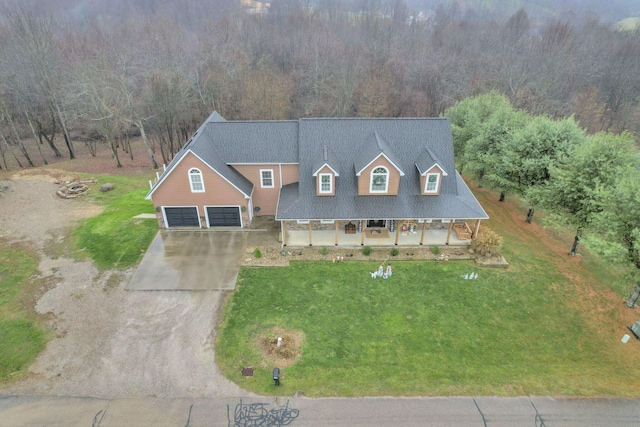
[424,331]
[21,339]
[549,325]
[114,238]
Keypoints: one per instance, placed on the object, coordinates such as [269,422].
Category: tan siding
[333,187]
[176,191]
[365,177]
[264,198]
[290,174]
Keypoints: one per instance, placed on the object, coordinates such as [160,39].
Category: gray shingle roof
[407,139]
[372,148]
[350,143]
[255,142]
[426,160]
[326,157]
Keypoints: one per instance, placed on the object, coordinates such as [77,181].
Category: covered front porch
[399,233]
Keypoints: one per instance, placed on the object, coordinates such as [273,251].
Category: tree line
[588,183]
[99,81]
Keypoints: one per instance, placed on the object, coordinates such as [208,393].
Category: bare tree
[38,59]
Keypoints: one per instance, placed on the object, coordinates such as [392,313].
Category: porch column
[424,227]
[310,233]
[397,234]
[337,233]
[477,230]
[284,233]
[364,227]
[449,232]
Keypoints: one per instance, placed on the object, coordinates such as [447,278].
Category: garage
[224,216]
[182,217]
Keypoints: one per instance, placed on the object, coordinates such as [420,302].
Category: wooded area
[97,80]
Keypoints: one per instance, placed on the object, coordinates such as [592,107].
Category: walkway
[303,412]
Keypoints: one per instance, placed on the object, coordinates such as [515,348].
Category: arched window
[195,179]
[379,180]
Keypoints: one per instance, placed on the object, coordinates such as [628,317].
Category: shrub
[435,250]
[366,250]
[394,252]
[324,250]
[486,241]
[257,253]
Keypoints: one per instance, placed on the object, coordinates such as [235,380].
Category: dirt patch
[109,343]
[280,347]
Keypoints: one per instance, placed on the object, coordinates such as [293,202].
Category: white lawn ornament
[474,275]
[374,274]
[465,277]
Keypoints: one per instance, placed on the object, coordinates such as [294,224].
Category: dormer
[431,173]
[377,168]
[326,172]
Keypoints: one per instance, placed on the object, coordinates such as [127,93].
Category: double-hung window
[326,184]
[266,178]
[432,183]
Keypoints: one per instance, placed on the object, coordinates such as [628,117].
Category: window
[327,221]
[303,221]
[195,179]
[379,180]
[266,178]
[326,186]
[432,183]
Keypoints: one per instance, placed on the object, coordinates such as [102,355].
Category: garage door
[223,216]
[182,217]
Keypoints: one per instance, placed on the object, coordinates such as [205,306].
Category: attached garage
[224,216]
[181,217]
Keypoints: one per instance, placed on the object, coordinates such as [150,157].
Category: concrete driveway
[190,260]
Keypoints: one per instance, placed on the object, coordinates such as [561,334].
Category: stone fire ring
[72,190]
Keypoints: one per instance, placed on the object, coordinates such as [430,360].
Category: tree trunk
[146,143]
[35,136]
[113,145]
[574,247]
[50,140]
[10,150]
[23,149]
[530,215]
[65,132]
[631,301]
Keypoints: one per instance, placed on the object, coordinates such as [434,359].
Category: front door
[376,223]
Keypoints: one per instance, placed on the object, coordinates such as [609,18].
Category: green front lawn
[114,238]
[21,339]
[424,331]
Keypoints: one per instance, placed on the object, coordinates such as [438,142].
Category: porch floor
[328,238]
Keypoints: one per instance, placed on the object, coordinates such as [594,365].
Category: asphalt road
[299,412]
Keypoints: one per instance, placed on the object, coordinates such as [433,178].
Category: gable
[175,182]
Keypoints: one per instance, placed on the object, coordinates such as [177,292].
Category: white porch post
[424,227]
[310,234]
[477,230]
[449,232]
[284,233]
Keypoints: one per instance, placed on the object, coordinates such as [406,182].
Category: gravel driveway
[110,343]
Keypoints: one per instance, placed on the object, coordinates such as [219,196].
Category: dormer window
[326,183]
[379,180]
[432,182]
[195,180]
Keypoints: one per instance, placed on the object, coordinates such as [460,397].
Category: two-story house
[343,181]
